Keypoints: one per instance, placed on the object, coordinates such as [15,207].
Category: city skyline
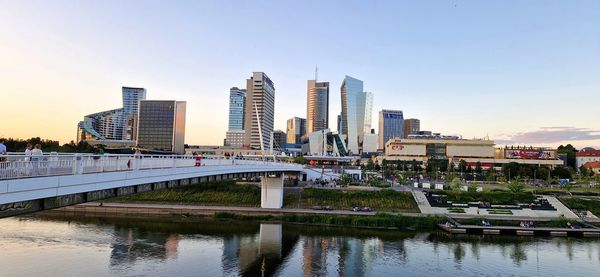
[527,80]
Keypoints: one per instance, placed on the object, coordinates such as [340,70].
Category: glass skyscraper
[116,124]
[296,128]
[391,125]
[317,106]
[237,103]
[131,99]
[161,126]
[356,112]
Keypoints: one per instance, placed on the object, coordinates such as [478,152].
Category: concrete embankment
[160,210]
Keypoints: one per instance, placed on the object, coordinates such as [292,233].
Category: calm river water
[33,246]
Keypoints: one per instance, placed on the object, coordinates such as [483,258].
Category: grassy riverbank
[380,220]
[228,193]
[218,193]
[382,200]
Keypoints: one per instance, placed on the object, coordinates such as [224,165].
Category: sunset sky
[520,72]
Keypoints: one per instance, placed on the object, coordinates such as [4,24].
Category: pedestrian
[2,150]
[37,151]
[28,152]
[36,156]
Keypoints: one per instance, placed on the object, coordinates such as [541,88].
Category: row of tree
[19,145]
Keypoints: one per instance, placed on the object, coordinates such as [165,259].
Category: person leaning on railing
[28,152]
[36,155]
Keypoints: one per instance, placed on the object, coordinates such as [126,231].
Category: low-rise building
[586,155]
[235,138]
[593,166]
[471,151]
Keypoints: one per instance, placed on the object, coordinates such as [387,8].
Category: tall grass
[213,193]
[382,200]
[380,220]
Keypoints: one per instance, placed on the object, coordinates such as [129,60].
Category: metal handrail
[16,166]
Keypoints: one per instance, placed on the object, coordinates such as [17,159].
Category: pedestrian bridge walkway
[32,183]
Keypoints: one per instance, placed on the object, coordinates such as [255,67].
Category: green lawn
[382,200]
[214,193]
[495,197]
[592,205]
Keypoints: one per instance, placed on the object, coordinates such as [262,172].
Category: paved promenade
[561,209]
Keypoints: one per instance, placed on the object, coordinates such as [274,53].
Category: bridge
[34,183]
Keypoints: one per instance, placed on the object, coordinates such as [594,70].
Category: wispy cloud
[551,135]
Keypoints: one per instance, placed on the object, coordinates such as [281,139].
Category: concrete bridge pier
[271,187]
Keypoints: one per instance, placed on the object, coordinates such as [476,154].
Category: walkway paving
[561,209]
[423,204]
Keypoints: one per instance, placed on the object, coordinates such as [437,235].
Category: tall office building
[237,104]
[161,126]
[355,117]
[411,126]
[260,100]
[391,125]
[296,128]
[317,106]
[131,98]
[106,125]
[117,124]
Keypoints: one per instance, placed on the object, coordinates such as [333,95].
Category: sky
[518,72]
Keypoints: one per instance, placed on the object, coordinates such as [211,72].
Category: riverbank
[227,193]
[188,213]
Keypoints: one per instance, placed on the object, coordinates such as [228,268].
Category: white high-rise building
[260,109]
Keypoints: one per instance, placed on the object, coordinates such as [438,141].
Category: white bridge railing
[15,166]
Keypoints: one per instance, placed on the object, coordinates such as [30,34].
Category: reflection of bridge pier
[258,255]
[270,240]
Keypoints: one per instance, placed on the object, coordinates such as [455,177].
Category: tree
[370,164]
[456,184]
[345,180]
[515,186]
[570,152]
[462,166]
[478,168]
[583,171]
[300,160]
[561,172]
[414,166]
[510,170]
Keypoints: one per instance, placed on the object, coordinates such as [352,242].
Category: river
[38,246]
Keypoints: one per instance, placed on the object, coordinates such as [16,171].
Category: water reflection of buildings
[130,245]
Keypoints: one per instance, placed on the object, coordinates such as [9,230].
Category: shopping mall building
[471,151]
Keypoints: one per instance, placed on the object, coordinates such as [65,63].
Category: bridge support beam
[271,187]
